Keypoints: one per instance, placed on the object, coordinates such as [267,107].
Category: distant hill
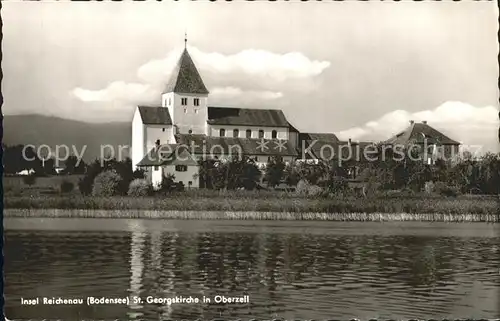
[52,131]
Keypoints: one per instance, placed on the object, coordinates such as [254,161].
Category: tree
[139,173]
[66,186]
[124,169]
[275,171]
[167,183]
[106,183]
[47,168]
[86,183]
[29,179]
[70,164]
[392,169]
[73,165]
[14,161]
[476,175]
[140,187]
[229,174]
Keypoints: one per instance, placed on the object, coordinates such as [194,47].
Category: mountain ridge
[52,131]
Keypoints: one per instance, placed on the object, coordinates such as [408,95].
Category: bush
[139,173]
[429,187]
[337,185]
[13,191]
[302,187]
[306,189]
[179,187]
[446,190]
[314,190]
[168,183]
[395,193]
[66,187]
[29,179]
[106,184]
[139,187]
[407,192]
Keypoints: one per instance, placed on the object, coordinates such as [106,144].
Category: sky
[361,70]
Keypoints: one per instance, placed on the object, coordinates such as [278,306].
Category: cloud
[470,125]
[234,92]
[261,63]
[117,91]
[245,70]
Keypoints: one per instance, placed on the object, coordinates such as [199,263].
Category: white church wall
[156,176]
[187,117]
[162,132]
[293,137]
[184,176]
[138,148]
[282,132]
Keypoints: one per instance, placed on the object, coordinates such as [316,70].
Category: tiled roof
[246,117]
[168,154]
[185,78]
[155,115]
[326,137]
[292,129]
[324,149]
[228,145]
[414,134]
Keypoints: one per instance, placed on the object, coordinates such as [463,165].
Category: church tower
[186,97]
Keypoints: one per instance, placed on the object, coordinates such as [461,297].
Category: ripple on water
[313,275]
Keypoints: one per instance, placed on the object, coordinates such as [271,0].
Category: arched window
[274,134]
[261,133]
[222,132]
[236,133]
[249,133]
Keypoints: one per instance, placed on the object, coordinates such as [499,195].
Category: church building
[172,137]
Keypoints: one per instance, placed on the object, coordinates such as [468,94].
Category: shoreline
[258,216]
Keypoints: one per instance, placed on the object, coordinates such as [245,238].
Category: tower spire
[185,39]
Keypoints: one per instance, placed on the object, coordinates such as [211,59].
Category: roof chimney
[424,121]
[349,141]
[411,122]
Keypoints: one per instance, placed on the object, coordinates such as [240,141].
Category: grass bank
[265,207]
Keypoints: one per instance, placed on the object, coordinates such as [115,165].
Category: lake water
[290,270]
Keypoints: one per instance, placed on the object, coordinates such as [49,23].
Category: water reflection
[288,275]
[136,267]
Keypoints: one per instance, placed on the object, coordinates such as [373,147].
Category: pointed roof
[415,133]
[324,137]
[185,78]
[155,115]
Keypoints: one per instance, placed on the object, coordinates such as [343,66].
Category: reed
[249,203]
[251,215]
